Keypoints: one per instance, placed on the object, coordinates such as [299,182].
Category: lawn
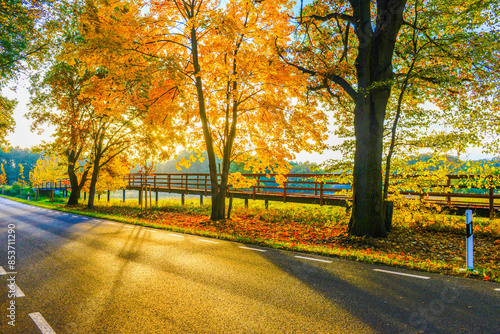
[422,241]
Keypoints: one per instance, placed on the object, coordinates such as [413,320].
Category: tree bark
[93,182]
[73,179]
[95,171]
[367,213]
[374,72]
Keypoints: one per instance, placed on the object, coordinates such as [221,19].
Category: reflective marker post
[469,240]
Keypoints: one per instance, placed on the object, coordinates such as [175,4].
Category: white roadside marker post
[469,240]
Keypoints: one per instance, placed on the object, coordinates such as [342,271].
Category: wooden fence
[454,192]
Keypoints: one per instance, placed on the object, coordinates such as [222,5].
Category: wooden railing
[49,185]
[323,189]
[297,186]
[453,191]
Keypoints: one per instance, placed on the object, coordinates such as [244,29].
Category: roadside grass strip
[254,249]
[401,274]
[41,323]
[312,259]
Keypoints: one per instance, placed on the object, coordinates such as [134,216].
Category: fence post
[448,184]
[206,184]
[123,195]
[109,195]
[321,193]
[182,199]
[230,207]
[284,192]
[491,204]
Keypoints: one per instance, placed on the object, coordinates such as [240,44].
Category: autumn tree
[3,176]
[28,32]
[56,99]
[237,98]
[48,169]
[356,53]
[111,176]
[21,180]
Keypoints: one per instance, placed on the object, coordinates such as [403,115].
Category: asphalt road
[76,274]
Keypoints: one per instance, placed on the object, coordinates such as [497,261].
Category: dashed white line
[205,240]
[41,323]
[312,259]
[17,292]
[176,235]
[497,289]
[128,226]
[254,249]
[2,271]
[149,230]
[402,274]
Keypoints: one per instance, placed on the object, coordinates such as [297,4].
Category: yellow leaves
[238,181]
[48,169]
[186,163]
[3,176]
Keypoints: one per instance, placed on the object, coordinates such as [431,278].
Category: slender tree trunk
[95,172]
[93,181]
[217,193]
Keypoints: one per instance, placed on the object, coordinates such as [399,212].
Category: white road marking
[128,226]
[254,249]
[18,293]
[497,289]
[41,323]
[312,259]
[2,271]
[402,274]
[205,240]
[151,230]
[176,235]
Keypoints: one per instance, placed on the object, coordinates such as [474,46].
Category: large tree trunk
[367,214]
[73,179]
[75,187]
[374,72]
